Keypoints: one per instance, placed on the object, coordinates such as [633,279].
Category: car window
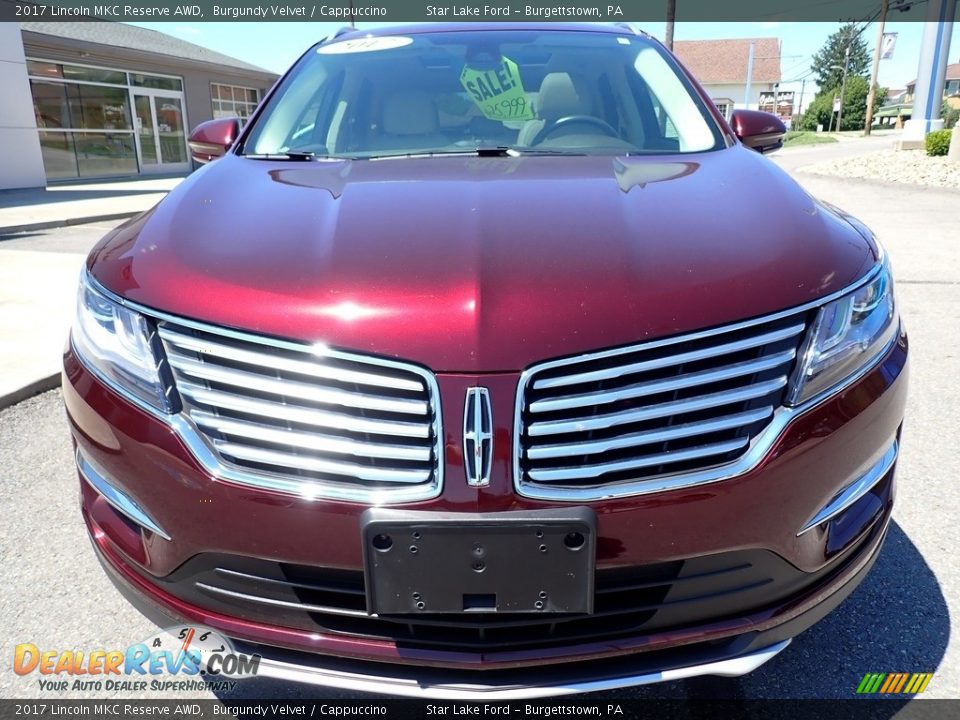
[448,92]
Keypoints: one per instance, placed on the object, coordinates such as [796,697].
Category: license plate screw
[414,549]
[420,605]
[538,605]
[478,566]
[416,596]
[543,548]
[416,535]
[543,594]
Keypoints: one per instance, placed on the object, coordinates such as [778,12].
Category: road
[55,595]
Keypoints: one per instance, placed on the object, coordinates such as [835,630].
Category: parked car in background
[489,362]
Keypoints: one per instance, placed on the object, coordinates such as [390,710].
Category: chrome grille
[622,418]
[307,419]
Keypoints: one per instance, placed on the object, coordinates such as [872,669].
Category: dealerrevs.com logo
[176,659]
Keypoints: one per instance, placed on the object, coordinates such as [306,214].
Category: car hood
[470,264]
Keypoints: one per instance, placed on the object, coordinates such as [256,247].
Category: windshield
[514,90]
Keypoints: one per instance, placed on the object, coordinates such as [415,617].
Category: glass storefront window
[88,74]
[105,154]
[59,155]
[50,106]
[155,81]
[44,69]
[97,122]
[94,107]
[170,125]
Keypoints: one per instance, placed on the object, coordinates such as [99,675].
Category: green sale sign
[498,91]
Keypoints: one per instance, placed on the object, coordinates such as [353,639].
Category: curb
[50,224]
[35,388]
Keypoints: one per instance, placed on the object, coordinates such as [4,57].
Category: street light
[843,82]
[840,107]
[843,86]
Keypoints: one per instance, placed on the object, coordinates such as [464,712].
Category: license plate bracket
[513,562]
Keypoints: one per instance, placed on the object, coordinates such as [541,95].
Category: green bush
[938,142]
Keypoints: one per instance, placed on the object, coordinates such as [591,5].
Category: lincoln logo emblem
[477,436]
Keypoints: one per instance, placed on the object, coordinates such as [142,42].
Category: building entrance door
[160,131]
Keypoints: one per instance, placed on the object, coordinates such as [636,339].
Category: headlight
[117,344]
[847,335]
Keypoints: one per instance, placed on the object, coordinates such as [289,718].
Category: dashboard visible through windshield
[513,91]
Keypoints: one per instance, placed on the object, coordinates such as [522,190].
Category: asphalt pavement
[56,596]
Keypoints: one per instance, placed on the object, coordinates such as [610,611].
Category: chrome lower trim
[855,490]
[207,457]
[117,499]
[261,600]
[412,687]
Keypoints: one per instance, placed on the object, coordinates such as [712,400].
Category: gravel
[913,167]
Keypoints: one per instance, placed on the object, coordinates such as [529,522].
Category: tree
[950,114]
[854,105]
[827,64]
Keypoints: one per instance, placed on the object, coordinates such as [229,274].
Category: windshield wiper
[546,151]
[296,155]
[498,151]
[502,151]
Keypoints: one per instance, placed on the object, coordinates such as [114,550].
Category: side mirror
[757,130]
[211,139]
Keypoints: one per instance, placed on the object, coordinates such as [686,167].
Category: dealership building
[100,99]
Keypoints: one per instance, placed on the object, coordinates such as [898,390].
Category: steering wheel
[551,128]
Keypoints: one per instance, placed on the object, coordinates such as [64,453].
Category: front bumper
[820,454]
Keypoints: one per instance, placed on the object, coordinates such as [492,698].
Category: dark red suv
[489,361]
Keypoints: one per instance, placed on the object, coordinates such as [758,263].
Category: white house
[722,67]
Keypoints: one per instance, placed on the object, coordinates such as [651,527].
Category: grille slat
[655,387]
[199,370]
[656,412]
[212,348]
[317,464]
[291,604]
[308,440]
[674,456]
[305,418]
[301,415]
[608,423]
[671,360]
[559,450]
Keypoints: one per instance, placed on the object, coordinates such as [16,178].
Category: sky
[275,46]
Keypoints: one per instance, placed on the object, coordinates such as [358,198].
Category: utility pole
[671,16]
[843,83]
[746,93]
[799,108]
[872,95]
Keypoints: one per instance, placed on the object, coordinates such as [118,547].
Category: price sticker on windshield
[498,91]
